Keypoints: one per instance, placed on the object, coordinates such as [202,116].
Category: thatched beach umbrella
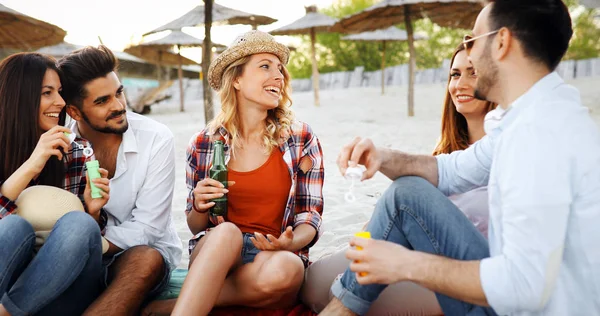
[312,23]
[391,34]
[448,13]
[20,31]
[221,15]
[218,15]
[164,45]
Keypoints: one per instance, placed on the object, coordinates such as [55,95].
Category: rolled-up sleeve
[536,198]
[464,170]
[7,206]
[151,215]
[309,192]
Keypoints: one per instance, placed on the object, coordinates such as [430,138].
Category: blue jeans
[416,215]
[62,279]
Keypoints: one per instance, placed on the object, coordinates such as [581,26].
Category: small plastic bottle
[363,234]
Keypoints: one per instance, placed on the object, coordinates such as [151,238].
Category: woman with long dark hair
[62,275]
[463,114]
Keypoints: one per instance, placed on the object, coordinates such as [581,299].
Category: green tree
[585,42]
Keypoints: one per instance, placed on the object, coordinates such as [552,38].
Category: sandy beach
[343,114]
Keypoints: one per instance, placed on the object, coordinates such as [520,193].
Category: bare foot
[336,308]
[159,308]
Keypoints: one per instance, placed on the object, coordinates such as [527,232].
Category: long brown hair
[455,132]
[21,78]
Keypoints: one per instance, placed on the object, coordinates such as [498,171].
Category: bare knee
[227,236]
[282,274]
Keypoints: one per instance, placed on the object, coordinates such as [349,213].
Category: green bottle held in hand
[218,171]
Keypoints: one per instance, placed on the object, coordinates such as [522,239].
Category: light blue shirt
[542,168]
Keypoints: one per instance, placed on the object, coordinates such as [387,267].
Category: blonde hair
[278,122]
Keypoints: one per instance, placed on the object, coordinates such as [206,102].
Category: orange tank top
[257,201]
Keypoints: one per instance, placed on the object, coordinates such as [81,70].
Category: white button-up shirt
[141,191]
[543,167]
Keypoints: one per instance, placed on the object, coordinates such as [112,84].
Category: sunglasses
[469,40]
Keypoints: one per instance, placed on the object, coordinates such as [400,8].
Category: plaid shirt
[305,200]
[74,182]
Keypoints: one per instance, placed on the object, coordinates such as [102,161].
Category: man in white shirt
[139,156]
[542,168]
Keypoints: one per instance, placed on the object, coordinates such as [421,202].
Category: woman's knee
[16,225]
[16,230]
[280,274]
[228,235]
[77,229]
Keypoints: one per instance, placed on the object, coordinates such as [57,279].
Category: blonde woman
[256,258]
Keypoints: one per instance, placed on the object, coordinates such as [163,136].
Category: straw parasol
[160,49]
[391,34]
[312,23]
[179,39]
[220,15]
[448,13]
[59,50]
[20,31]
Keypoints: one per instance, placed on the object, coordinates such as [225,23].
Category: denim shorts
[248,249]
[164,281]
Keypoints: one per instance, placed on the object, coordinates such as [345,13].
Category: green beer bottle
[218,171]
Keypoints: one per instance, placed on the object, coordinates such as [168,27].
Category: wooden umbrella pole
[411,62]
[383,69]
[180,75]
[315,69]
[158,72]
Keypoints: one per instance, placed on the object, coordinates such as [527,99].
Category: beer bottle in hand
[218,171]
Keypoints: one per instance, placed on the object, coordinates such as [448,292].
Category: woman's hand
[51,143]
[103,183]
[284,242]
[207,190]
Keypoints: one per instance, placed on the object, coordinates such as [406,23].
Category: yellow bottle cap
[363,235]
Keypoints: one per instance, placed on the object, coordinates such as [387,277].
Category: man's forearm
[395,164]
[453,278]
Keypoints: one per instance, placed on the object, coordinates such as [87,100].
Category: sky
[120,22]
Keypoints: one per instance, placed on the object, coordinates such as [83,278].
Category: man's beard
[108,129]
[487,77]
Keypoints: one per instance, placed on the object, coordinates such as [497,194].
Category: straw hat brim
[235,52]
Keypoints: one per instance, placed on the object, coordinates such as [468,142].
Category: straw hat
[250,43]
[43,205]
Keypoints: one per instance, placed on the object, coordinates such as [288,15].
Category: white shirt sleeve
[151,215]
[534,186]
[465,170]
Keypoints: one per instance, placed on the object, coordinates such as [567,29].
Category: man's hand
[360,151]
[284,242]
[95,205]
[379,261]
